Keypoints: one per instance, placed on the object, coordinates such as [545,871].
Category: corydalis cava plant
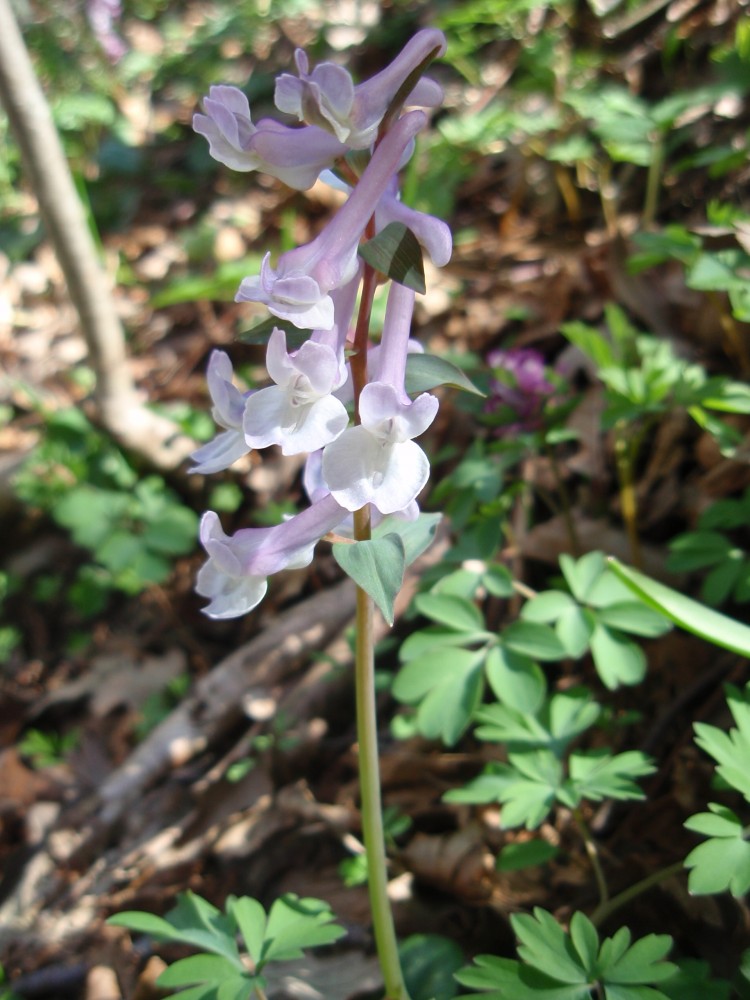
[371,459]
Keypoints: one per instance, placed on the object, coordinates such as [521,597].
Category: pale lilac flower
[295,156]
[298,412]
[102,15]
[377,462]
[520,384]
[228,409]
[327,97]
[299,288]
[235,576]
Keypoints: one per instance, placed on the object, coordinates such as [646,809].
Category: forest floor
[146,750]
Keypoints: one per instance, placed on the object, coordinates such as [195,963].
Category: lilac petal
[265,415]
[296,156]
[219,453]
[350,465]
[394,343]
[426,94]
[228,401]
[230,596]
[404,477]
[321,367]
[360,469]
[384,414]
[278,362]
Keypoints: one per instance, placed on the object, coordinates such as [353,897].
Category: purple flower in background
[102,15]
[520,384]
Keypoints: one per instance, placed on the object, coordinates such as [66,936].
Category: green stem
[369,786]
[625,457]
[607,907]
[593,853]
[367,722]
[653,181]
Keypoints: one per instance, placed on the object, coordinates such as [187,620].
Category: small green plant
[47,748]
[222,970]
[644,379]
[446,664]
[710,548]
[722,862]
[574,965]
[132,528]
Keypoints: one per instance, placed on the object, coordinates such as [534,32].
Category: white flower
[298,412]
[377,462]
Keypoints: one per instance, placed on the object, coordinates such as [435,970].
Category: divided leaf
[572,965]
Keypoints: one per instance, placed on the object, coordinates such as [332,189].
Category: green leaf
[545,945]
[377,566]
[582,575]
[209,969]
[143,923]
[193,921]
[585,939]
[600,774]
[516,680]
[547,607]
[643,962]
[428,962]
[448,683]
[617,659]
[220,286]
[719,865]
[295,923]
[563,717]
[574,629]
[532,639]
[633,616]
[685,612]
[435,637]
[508,979]
[250,918]
[417,535]
[427,371]
[447,609]
[692,981]
[525,854]
[397,254]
